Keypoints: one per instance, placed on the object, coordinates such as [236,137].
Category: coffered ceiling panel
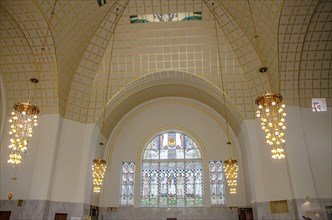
[89,47]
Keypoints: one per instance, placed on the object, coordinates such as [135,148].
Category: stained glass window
[165,17]
[127,184]
[217,189]
[172,172]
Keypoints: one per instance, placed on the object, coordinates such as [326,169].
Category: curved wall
[131,135]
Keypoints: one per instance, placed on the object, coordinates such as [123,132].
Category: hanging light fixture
[98,172]
[270,110]
[231,170]
[23,118]
[272,114]
[230,165]
[24,115]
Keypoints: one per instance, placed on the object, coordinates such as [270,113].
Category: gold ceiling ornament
[272,114]
[98,172]
[23,119]
[230,166]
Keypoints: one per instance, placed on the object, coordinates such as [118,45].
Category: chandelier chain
[230,165]
[42,49]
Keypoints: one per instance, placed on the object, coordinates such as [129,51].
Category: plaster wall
[129,139]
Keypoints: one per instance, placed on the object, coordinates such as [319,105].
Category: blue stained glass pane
[154,144]
[163,166]
[189,165]
[172,154]
[197,165]
[180,153]
[146,166]
[151,154]
[180,166]
[164,154]
[172,166]
[196,153]
[154,166]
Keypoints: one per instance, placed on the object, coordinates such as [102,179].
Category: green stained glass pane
[190,201]
[199,201]
[163,201]
[172,201]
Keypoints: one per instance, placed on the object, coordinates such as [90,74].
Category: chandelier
[272,114]
[231,169]
[24,116]
[23,119]
[98,172]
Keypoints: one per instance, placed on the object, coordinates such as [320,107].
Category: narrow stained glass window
[217,190]
[172,172]
[127,184]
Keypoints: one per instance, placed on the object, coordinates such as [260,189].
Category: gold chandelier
[24,116]
[272,114]
[23,119]
[231,169]
[98,172]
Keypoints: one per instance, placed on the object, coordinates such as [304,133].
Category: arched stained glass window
[172,172]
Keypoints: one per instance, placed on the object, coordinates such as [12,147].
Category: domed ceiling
[91,48]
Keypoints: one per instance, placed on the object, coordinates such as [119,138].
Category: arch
[168,84]
[171,171]
[118,143]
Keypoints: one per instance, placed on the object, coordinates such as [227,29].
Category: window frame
[186,163]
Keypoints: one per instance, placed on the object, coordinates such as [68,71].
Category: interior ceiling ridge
[107,24]
[235,51]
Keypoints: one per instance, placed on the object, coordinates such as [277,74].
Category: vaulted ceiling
[91,48]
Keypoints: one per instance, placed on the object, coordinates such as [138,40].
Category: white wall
[307,166]
[72,177]
[57,165]
[146,121]
[318,136]
[34,174]
[268,177]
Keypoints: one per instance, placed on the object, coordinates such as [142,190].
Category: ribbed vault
[294,42]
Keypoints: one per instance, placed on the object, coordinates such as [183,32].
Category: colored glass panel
[217,190]
[174,178]
[127,184]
